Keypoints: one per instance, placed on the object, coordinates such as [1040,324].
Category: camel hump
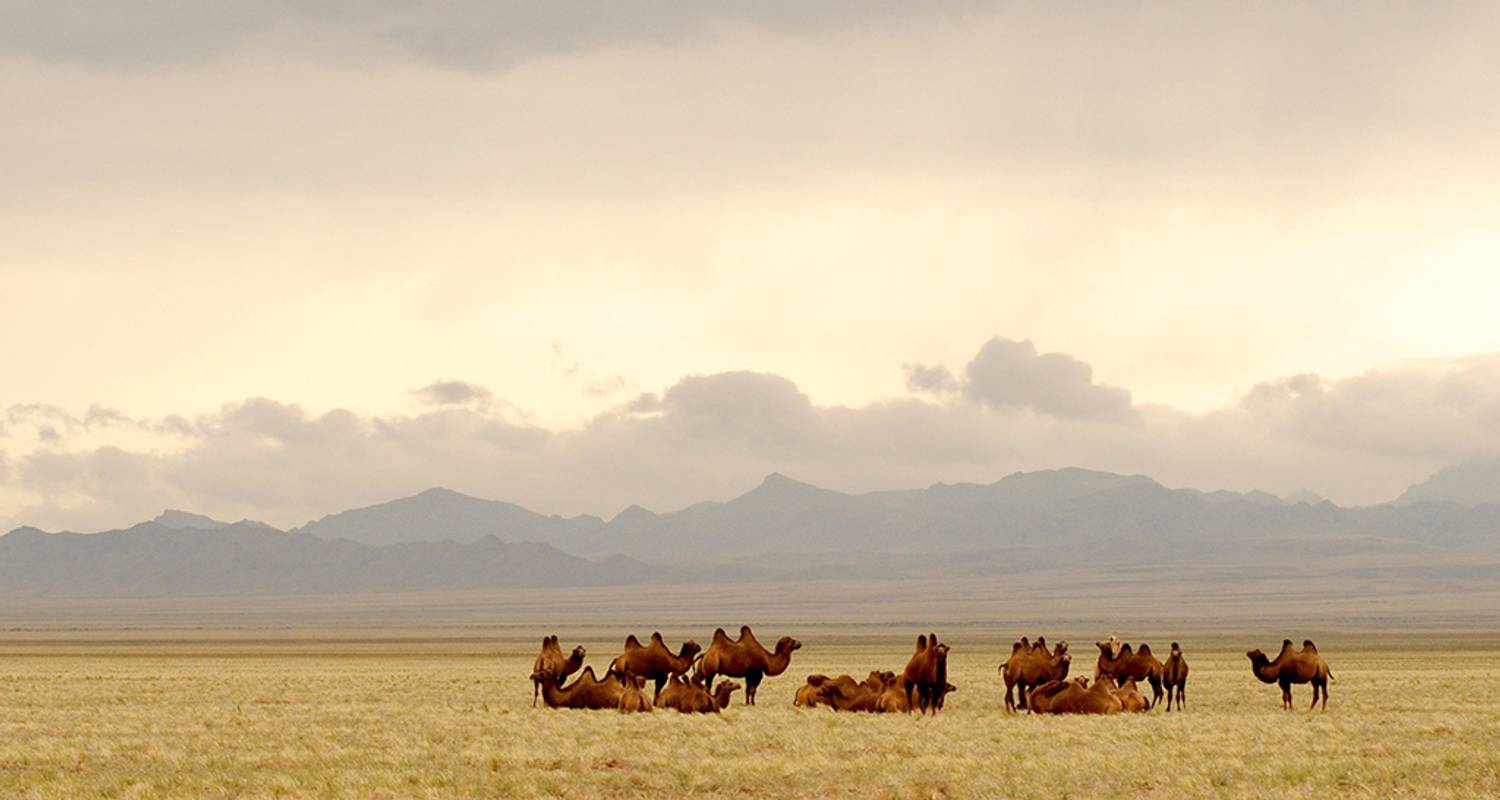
[631,641]
[745,631]
[1125,650]
[1145,649]
[921,641]
[1016,648]
[656,636]
[1025,642]
[720,637]
[1308,645]
[546,640]
[1041,642]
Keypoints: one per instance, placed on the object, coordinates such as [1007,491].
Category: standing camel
[1174,676]
[654,662]
[1118,663]
[1290,667]
[744,658]
[1029,667]
[926,674]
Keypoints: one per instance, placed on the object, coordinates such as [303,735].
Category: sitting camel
[895,697]
[1030,666]
[654,662]
[586,692]
[744,658]
[1119,663]
[807,693]
[633,697]
[845,694]
[1174,676]
[1130,698]
[690,697]
[1075,697]
[551,661]
[926,674]
[1301,666]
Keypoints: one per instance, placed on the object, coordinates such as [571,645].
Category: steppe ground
[244,706]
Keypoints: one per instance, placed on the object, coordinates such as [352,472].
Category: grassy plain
[364,713]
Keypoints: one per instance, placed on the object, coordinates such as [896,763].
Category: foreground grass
[429,719]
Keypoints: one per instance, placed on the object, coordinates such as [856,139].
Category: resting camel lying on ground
[633,696]
[551,661]
[926,674]
[807,693]
[744,658]
[1075,697]
[1301,666]
[586,692]
[689,696]
[1174,676]
[1030,666]
[894,697]
[654,662]
[845,694]
[1119,663]
[1130,698]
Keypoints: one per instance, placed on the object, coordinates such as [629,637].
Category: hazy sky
[274,259]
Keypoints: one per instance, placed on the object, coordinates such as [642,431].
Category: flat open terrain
[403,713]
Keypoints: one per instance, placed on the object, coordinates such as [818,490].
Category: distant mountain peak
[186,520]
[1471,483]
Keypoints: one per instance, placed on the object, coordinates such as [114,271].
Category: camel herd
[1035,677]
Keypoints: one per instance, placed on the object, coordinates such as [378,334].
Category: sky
[278,259]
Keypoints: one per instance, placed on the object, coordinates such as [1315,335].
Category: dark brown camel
[1031,666]
[1117,662]
[1174,676]
[551,661]
[1075,697]
[586,692]
[633,696]
[744,658]
[654,662]
[1291,667]
[926,674]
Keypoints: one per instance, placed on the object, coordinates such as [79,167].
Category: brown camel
[845,694]
[1031,666]
[744,658]
[894,697]
[1174,676]
[926,674]
[1075,697]
[690,697]
[1117,662]
[1301,666]
[654,662]
[551,661]
[948,688]
[633,697]
[1130,698]
[586,692]
[807,693]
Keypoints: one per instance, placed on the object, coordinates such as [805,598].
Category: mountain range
[782,529]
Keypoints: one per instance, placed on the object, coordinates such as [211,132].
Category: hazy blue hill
[445,515]
[1471,483]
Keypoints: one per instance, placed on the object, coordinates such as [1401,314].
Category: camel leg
[752,682]
[661,680]
[1286,696]
[1010,704]
[1325,697]
[536,688]
[1317,692]
[1155,692]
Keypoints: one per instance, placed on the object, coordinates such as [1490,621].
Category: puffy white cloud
[1011,374]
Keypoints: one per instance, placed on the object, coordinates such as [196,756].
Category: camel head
[787,644]
[722,693]
[579,652]
[1176,649]
[1062,647]
[690,648]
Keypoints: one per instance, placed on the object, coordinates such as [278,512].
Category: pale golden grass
[428,717]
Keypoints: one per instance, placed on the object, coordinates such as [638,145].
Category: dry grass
[322,717]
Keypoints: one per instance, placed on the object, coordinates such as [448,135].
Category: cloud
[470,34]
[452,393]
[1011,374]
[1361,438]
[931,379]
